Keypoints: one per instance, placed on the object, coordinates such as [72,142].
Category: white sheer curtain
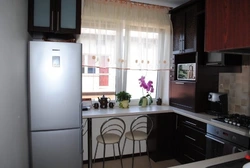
[124,41]
[124,35]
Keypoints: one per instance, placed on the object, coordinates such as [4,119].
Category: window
[118,49]
[98,80]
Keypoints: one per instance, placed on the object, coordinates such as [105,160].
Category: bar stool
[111,132]
[84,129]
[139,131]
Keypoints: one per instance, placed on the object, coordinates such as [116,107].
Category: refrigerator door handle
[81,130]
[80,113]
[81,145]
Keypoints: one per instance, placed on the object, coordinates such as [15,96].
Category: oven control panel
[227,135]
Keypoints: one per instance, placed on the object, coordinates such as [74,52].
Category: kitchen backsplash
[237,86]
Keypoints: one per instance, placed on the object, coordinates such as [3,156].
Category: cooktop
[231,164]
[235,119]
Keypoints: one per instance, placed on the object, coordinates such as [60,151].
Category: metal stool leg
[96,150]
[148,154]
[133,154]
[104,151]
[140,147]
[123,146]
[114,150]
[119,149]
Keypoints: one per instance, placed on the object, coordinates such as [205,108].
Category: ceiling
[169,3]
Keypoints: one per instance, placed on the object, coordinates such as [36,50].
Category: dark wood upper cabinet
[55,16]
[188,47]
[227,26]
[185,20]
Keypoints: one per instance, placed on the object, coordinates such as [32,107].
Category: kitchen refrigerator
[55,116]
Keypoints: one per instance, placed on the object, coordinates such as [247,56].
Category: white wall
[13,84]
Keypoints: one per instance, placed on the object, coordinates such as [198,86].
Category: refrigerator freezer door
[55,85]
[56,149]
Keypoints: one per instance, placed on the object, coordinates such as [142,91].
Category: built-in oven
[221,142]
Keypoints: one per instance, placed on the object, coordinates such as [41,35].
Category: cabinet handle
[209,137]
[52,20]
[180,45]
[188,122]
[190,138]
[58,21]
[183,42]
[179,83]
[189,157]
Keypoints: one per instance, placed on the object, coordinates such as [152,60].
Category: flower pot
[124,104]
[144,102]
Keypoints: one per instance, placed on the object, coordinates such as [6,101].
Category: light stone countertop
[120,112]
[154,109]
[213,161]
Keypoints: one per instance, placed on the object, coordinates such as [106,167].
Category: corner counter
[213,161]
[154,109]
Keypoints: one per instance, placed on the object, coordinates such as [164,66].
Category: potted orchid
[148,86]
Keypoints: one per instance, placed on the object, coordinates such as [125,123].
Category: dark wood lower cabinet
[161,140]
[190,140]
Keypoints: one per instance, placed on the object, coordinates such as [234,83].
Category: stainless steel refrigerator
[55,115]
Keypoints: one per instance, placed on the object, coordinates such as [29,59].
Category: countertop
[154,109]
[213,161]
[119,112]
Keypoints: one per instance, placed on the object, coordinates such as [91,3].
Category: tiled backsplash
[237,86]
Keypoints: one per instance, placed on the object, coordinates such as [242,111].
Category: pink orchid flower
[147,86]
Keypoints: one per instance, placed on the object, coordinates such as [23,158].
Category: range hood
[240,51]
[223,59]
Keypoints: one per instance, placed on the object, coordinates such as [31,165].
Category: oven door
[218,147]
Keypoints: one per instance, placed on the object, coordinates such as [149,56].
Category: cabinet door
[68,16]
[182,95]
[178,30]
[161,140]
[41,15]
[190,30]
[227,25]
[58,16]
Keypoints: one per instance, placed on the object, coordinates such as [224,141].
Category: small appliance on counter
[217,104]
[86,104]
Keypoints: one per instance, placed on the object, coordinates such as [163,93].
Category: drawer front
[192,123]
[194,137]
[189,154]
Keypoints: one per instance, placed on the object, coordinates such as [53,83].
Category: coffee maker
[217,104]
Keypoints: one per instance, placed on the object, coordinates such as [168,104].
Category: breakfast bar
[118,112]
